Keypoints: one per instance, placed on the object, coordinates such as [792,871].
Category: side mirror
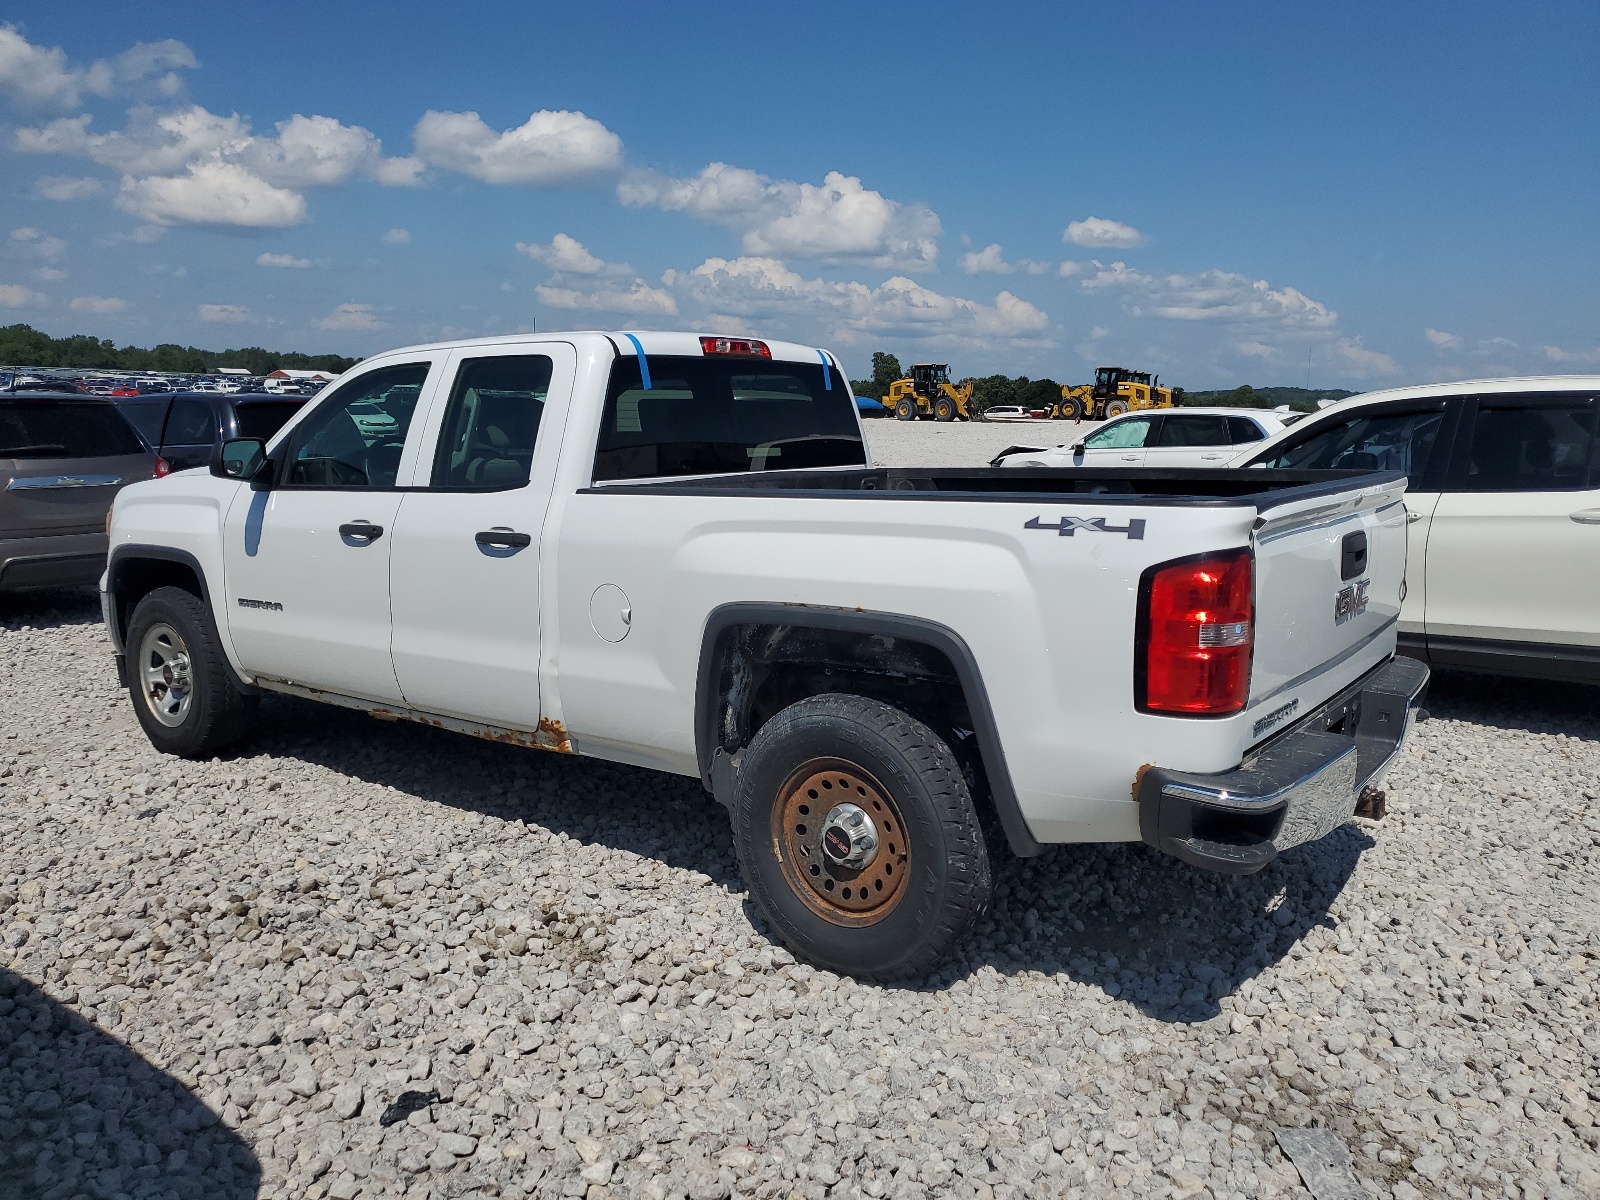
[239,458]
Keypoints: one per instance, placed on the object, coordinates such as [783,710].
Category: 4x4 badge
[1070,525]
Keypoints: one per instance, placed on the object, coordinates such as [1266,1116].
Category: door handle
[504,539]
[1412,518]
[363,533]
[1210,456]
[1587,516]
[1130,458]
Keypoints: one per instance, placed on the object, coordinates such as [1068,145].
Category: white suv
[1159,437]
[1503,570]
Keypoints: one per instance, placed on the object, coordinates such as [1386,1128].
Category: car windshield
[705,416]
[65,431]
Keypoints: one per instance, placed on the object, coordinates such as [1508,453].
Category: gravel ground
[960,443]
[215,977]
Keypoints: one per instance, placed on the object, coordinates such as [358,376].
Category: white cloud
[313,152]
[1440,338]
[67,187]
[396,237]
[837,220]
[637,298]
[40,76]
[1098,332]
[1255,349]
[98,304]
[548,148]
[350,316]
[31,242]
[1215,296]
[226,314]
[1575,357]
[49,274]
[991,261]
[569,255]
[214,193]
[400,172]
[1360,361]
[281,260]
[764,287]
[14,295]
[1069,268]
[1101,234]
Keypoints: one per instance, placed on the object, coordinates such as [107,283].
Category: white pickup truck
[674,551]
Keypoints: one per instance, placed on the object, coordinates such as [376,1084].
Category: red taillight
[743,347]
[163,467]
[1196,634]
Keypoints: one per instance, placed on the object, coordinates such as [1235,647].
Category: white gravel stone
[221,999]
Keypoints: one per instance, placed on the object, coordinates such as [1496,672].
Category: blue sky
[1354,194]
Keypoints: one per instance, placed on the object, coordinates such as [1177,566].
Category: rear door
[1190,440]
[1514,550]
[190,432]
[307,562]
[466,548]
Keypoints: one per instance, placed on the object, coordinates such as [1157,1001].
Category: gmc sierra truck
[674,551]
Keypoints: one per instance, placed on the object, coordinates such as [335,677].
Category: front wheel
[183,692]
[858,839]
[944,409]
[905,410]
[1069,409]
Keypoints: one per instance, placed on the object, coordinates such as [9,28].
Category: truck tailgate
[1329,577]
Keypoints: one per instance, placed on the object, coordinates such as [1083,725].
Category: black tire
[905,409]
[944,409]
[1116,408]
[944,887]
[1069,409]
[216,714]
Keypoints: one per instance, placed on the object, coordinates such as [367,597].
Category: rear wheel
[1116,408]
[944,409]
[905,409]
[858,838]
[183,692]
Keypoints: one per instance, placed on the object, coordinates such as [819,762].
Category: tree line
[25,346]
[991,391]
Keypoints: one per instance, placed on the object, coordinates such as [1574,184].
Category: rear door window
[190,423]
[492,423]
[1374,441]
[1529,444]
[1193,430]
[147,416]
[707,416]
[65,431]
[1242,430]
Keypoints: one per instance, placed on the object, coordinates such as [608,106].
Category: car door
[307,560]
[1190,440]
[190,433]
[1118,443]
[1403,435]
[1514,549]
[466,549]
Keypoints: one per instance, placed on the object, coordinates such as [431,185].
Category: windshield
[65,431]
[707,416]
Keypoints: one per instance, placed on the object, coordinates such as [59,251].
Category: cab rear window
[708,416]
[65,431]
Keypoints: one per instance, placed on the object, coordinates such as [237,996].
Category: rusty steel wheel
[841,842]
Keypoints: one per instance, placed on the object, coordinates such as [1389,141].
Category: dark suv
[63,458]
[182,427]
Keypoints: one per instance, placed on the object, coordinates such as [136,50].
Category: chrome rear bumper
[1296,788]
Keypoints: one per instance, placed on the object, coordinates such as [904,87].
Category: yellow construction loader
[1115,390]
[928,392]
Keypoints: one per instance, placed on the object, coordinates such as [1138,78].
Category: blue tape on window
[644,366]
[827,377]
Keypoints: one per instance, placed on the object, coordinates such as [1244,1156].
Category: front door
[466,548]
[1514,551]
[1116,444]
[307,562]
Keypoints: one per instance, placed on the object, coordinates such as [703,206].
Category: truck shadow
[1163,936]
[1531,705]
[82,1114]
[53,608]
